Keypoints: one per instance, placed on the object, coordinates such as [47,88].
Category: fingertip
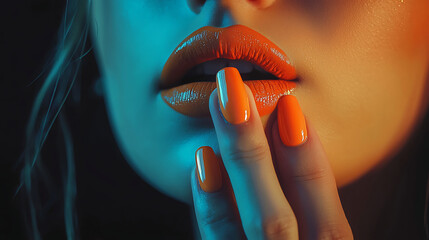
[252,104]
[194,183]
[249,92]
[291,121]
[208,169]
[279,146]
[213,100]
[275,132]
[214,109]
[213,95]
[311,132]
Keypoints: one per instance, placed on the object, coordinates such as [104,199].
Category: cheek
[380,89]
[363,87]
[417,25]
[132,40]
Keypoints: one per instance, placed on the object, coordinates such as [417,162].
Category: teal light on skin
[133,39]
[339,56]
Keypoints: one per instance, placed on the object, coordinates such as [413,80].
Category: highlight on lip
[192,99]
[233,42]
[188,77]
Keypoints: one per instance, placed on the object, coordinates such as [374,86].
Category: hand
[243,195]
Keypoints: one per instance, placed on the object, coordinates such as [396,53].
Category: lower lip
[192,99]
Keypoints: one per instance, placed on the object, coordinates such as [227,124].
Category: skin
[298,200]
[363,67]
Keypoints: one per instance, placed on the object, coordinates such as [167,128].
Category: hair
[58,80]
[47,108]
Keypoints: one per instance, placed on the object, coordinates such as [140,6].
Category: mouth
[189,75]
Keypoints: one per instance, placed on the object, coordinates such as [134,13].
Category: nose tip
[196,5]
[261,3]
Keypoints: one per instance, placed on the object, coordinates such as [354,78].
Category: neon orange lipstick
[232,43]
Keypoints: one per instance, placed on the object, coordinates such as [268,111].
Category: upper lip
[235,42]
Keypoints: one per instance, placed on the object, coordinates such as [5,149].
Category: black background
[112,201]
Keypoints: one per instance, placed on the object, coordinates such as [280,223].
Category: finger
[214,206]
[264,210]
[306,176]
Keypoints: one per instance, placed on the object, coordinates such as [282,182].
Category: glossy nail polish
[233,99]
[208,170]
[291,121]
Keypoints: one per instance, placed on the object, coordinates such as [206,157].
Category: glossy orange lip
[235,42]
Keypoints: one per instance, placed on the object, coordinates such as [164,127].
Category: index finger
[264,210]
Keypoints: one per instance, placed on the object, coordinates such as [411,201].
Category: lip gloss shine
[235,42]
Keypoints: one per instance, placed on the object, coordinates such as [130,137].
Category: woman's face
[362,67]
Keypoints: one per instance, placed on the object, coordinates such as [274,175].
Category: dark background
[112,201]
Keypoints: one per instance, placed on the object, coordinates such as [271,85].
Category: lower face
[363,67]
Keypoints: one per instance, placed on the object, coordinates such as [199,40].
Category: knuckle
[335,232]
[310,175]
[278,227]
[218,220]
[247,153]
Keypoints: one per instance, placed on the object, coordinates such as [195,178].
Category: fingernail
[233,99]
[208,169]
[291,121]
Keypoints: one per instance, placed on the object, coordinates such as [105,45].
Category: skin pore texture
[362,67]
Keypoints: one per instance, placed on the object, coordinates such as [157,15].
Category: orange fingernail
[208,169]
[291,121]
[233,99]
